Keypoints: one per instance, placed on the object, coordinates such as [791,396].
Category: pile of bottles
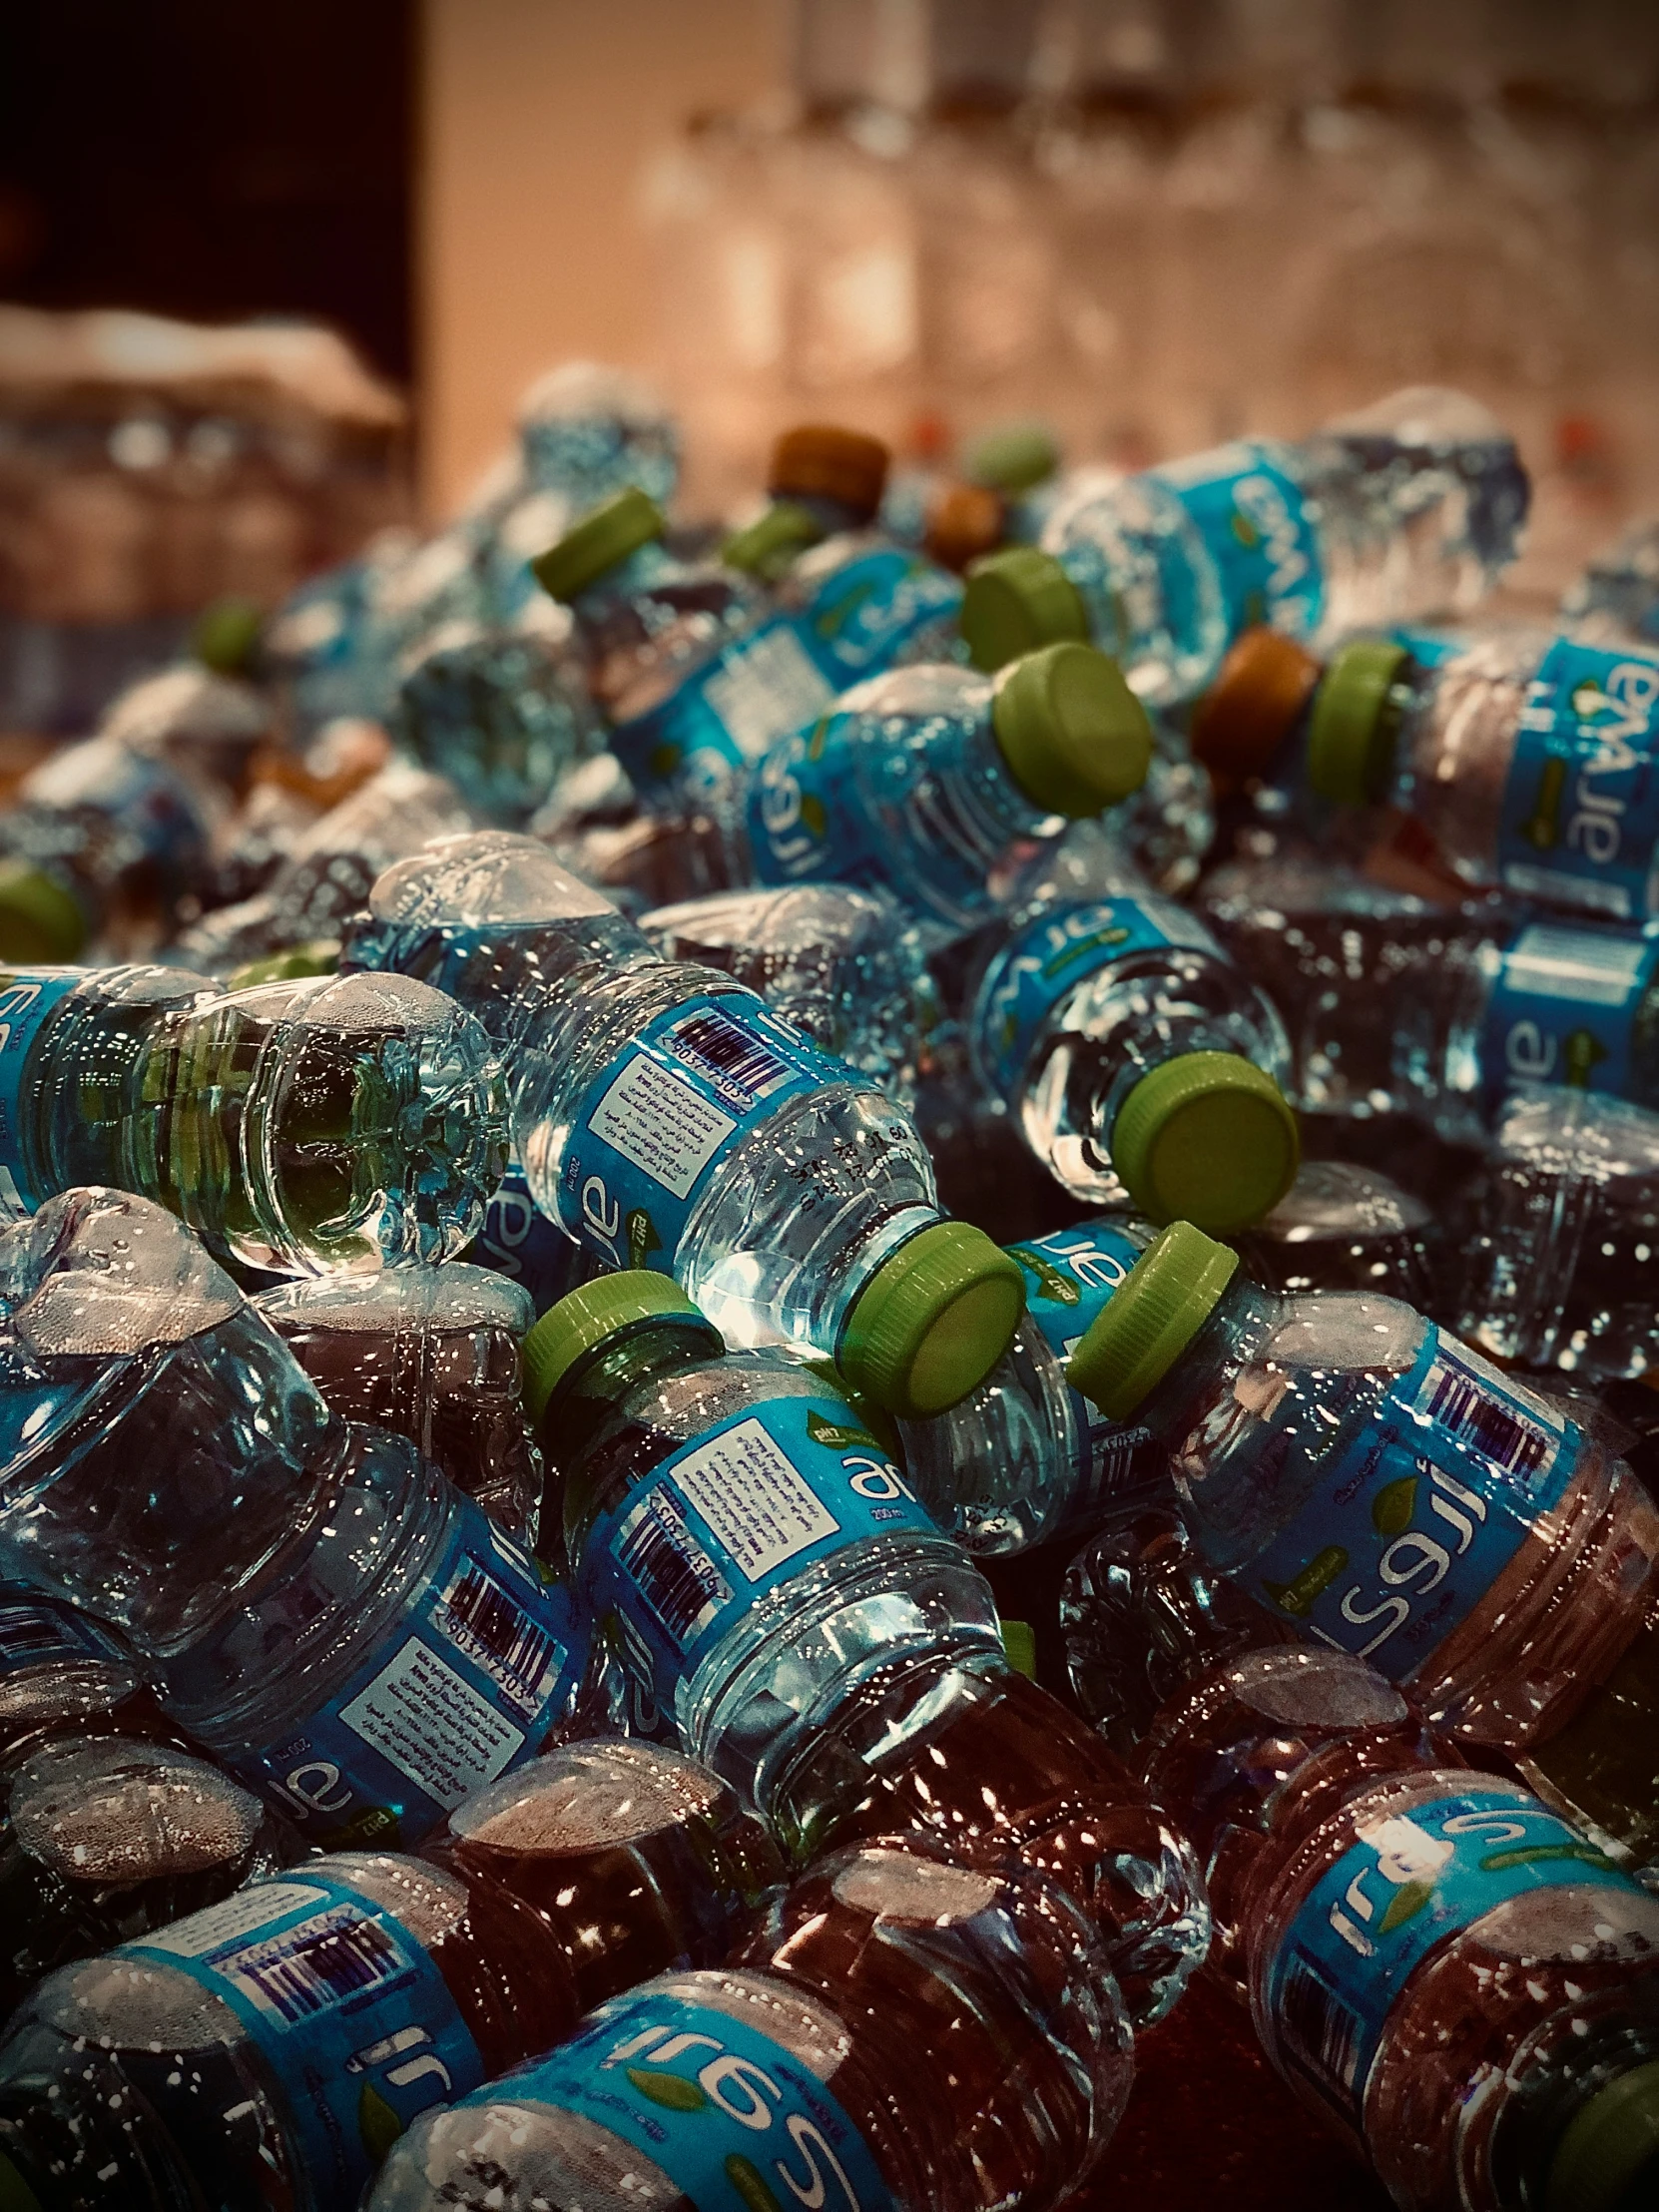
[788,1313]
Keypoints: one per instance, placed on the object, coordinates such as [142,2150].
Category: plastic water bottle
[819,1642]
[106,1837]
[331,868]
[501,713]
[904,2032]
[691,673]
[1139,1064]
[661,1109]
[1525,758]
[105,837]
[337,1624]
[1375,1483]
[942,787]
[1345,1228]
[283,2039]
[302,1126]
[638,1860]
[1618,593]
[1447,1972]
[432,1353]
[843,966]
[1404,512]
[1026,1459]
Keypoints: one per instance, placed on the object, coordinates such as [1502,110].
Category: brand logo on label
[1078,939]
[1262,515]
[793,819]
[1611,712]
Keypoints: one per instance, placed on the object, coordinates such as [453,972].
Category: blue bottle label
[760,688]
[735,2120]
[519,1241]
[1251,514]
[804,813]
[882,607]
[1563,1009]
[1408,1881]
[483,1660]
[344,2005]
[1046,960]
[1410,1524]
[1580,816]
[28,997]
[1071,1275]
[650,1132]
[36,1630]
[684,1555]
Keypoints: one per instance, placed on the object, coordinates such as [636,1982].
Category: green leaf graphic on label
[642,1236]
[1296,1596]
[1054,1284]
[1589,700]
[1584,1854]
[664,758]
[1392,1507]
[378,2123]
[1580,1053]
[815,742]
[749,2184]
[1103,940]
[812,813]
[839,1435]
[1542,827]
[1245,531]
[672,2090]
[1406,1904]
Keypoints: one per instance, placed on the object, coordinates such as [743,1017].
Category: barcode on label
[306,1970]
[1317,2027]
[715,1045]
[26,1633]
[1457,1402]
[483,1619]
[669,1569]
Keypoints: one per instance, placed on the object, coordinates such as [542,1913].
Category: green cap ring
[1073,733]
[1349,742]
[1016,601]
[585,1318]
[1208,1138]
[41,923]
[602,539]
[1608,2158]
[932,1321]
[317,956]
[1150,1318]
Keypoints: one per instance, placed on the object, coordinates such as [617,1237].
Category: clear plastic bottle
[279,2042]
[1440,1967]
[661,1109]
[336,1622]
[1408,510]
[1025,1458]
[304,1126]
[845,967]
[818,1641]
[1345,1228]
[1618,592]
[331,868]
[1139,1064]
[1526,760]
[904,2032]
[1386,1490]
[433,1352]
[637,1859]
[63,1673]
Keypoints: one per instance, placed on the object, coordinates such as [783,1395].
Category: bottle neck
[592,1394]
[1222,1348]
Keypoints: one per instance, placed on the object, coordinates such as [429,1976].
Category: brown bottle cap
[1250,709]
[964,522]
[817,460]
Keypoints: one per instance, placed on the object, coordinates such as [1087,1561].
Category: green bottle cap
[932,1321]
[1019,1648]
[1016,601]
[41,923]
[1011,457]
[602,539]
[1073,733]
[772,541]
[15,2193]
[318,957]
[227,636]
[1150,1318]
[1208,1138]
[1349,742]
[585,1318]
[1608,2158]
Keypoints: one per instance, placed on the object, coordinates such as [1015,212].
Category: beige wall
[537,118]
